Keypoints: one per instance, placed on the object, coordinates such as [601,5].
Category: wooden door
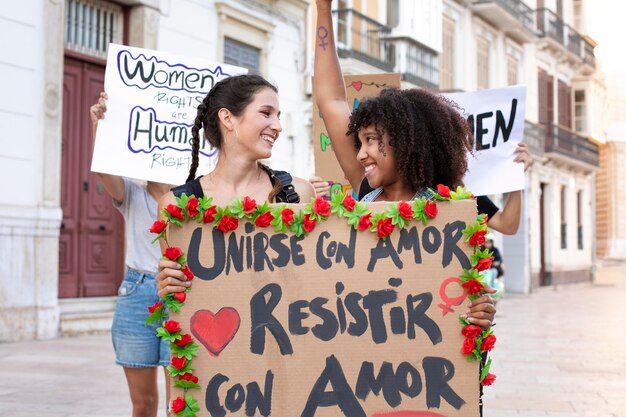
[91,250]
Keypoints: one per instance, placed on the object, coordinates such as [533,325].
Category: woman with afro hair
[396,145]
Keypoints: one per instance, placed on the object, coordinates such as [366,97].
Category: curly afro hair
[429,136]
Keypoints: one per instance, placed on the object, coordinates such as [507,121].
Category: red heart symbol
[357,85]
[215,331]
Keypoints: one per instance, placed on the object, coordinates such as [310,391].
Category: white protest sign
[496,118]
[153,100]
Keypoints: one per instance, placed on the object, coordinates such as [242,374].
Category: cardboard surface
[358,87]
[264,309]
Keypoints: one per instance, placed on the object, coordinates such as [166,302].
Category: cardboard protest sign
[336,323]
[496,118]
[357,87]
[152,105]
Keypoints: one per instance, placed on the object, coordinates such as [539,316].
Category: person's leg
[167,388]
[137,348]
[144,392]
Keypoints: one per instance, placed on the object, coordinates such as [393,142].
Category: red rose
[468,346]
[384,227]
[175,211]
[178,405]
[349,202]
[209,215]
[472,286]
[228,223]
[488,380]
[443,190]
[248,205]
[178,363]
[187,273]
[264,219]
[158,226]
[308,223]
[365,222]
[488,343]
[155,307]
[478,238]
[171,326]
[483,264]
[321,207]
[188,377]
[431,209]
[405,210]
[192,207]
[173,253]
[287,215]
[471,331]
[180,296]
[184,340]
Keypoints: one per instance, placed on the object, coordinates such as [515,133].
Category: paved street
[560,352]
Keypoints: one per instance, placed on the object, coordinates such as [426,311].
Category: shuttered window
[91,25]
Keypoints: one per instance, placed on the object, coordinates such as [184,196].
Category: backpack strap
[190,188]
[288,194]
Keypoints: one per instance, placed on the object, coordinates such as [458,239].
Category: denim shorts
[137,345]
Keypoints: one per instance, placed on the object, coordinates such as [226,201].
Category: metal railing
[518,9]
[565,142]
[550,25]
[361,37]
[588,56]
[535,138]
[416,63]
[574,41]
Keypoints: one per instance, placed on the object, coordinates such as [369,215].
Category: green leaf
[186,384]
[192,403]
[480,254]
[469,274]
[187,369]
[396,218]
[158,315]
[336,204]
[296,225]
[461,193]
[485,371]
[188,351]
[277,222]
[464,322]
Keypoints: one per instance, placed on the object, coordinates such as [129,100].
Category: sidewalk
[560,353]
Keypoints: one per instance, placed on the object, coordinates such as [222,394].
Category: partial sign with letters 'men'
[152,105]
[496,118]
[337,323]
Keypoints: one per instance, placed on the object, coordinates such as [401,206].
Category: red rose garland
[398,215]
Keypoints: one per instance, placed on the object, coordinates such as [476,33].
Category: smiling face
[377,157]
[257,129]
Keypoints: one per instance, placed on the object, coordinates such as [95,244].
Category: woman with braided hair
[239,117]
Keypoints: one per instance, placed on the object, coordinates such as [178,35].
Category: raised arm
[113,184]
[507,221]
[330,95]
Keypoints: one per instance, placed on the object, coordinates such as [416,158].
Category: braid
[278,185]
[195,138]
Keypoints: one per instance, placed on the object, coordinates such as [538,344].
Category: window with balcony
[482,63]
[242,55]
[512,69]
[91,25]
[446,63]
[580,116]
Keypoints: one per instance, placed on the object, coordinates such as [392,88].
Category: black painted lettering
[261,317]
[452,233]
[437,373]
[219,255]
[416,316]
